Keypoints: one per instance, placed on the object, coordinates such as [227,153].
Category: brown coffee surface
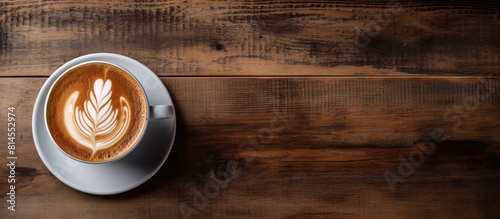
[96,112]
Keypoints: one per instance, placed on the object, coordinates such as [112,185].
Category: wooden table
[286,109]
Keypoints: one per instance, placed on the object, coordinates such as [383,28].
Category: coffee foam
[96,112]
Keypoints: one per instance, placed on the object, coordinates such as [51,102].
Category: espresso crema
[96,112]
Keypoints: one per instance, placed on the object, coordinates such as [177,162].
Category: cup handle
[161,112]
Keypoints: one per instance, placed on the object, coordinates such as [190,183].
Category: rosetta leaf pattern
[97,125]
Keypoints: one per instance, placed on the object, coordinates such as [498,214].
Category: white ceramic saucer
[122,175]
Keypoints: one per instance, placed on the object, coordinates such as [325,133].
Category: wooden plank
[311,148]
[180,38]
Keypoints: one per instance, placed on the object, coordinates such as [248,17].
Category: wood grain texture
[235,38]
[321,147]
[286,109]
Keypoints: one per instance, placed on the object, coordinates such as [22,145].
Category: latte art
[96,112]
[97,125]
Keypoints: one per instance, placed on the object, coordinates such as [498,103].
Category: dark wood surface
[286,109]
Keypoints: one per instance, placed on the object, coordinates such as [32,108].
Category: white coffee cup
[80,132]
